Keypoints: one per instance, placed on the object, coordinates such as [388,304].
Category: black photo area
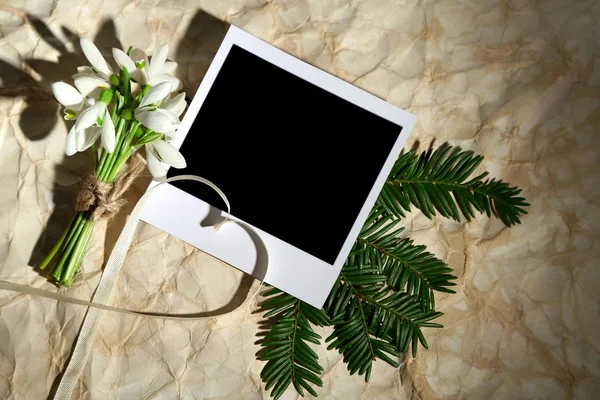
[294,160]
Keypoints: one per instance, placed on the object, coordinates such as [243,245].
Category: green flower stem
[112,156]
[131,134]
[102,162]
[59,242]
[125,150]
[121,138]
[147,137]
[119,164]
[66,253]
[77,254]
[73,244]
[95,151]
[71,232]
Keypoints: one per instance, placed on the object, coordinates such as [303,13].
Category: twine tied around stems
[103,200]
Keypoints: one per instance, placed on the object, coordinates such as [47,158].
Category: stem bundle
[65,258]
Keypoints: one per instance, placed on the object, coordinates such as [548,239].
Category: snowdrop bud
[114,80]
[106,96]
[127,115]
[139,132]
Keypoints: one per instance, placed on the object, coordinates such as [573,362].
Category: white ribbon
[103,292]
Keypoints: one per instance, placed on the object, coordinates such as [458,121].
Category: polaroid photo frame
[263,126]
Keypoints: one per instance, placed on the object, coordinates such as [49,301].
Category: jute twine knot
[103,200]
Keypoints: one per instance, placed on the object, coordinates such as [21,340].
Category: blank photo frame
[293,149]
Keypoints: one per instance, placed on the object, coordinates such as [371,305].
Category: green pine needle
[440,182]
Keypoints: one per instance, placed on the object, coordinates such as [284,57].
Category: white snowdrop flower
[150,72]
[73,101]
[92,123]
[90,81]
[160,152]
[93,119]
[153,117]
[99,64]
[175,105]
[90,84]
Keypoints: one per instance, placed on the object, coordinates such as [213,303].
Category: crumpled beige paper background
[517,81]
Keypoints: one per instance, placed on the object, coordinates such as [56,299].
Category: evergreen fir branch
[352,339]
[372,320]
[439,182]
[406,266]
[385,293]
[409,267]
[289,358]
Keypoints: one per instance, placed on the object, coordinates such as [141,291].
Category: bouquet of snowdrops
[115,114]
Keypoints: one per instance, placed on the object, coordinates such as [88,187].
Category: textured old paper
[516,81]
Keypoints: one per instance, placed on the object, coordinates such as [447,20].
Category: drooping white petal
[108,133]
[155,167]
[123,60]
[169,136]
[67,95]
[169,154]
[138,55]
[87,137]
[156,121]
[172,117]
[89,101]
[86,69]
[176,105]
[71,143]
[168,67]
[139,76]
[94,56]
[89,84]
[159,78]
[156,94]
[135,89]
[89,117]
[158,59]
